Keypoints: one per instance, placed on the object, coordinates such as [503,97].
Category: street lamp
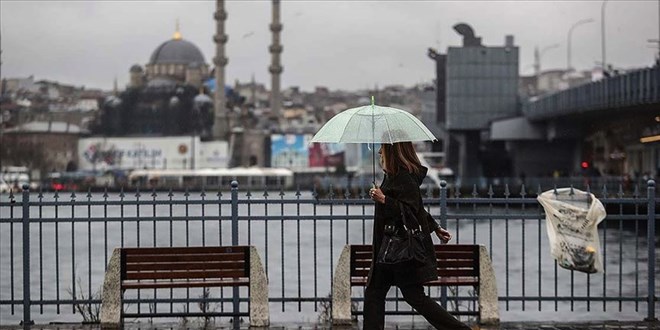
[570,34]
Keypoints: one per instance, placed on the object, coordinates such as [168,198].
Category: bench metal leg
[341,289]
[488,304]
[259,311]
[111,300]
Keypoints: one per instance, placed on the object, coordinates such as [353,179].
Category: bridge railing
[633,88]
[54,249]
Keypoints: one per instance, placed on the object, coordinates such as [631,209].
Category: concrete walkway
[608,325]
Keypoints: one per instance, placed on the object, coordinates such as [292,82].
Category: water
[300,256]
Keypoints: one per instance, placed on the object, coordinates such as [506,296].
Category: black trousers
[413,293]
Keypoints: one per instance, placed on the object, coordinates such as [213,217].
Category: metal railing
[65,240]
[639,87]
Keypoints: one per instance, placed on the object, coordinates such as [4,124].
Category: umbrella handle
[373,164]
[373,143]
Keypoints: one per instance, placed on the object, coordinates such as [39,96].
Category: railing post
[443,224]
[234,241]
[651,244]
[27,320]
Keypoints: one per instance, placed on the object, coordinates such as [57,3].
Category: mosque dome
[177,51]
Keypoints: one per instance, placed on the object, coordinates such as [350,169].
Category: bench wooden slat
[186,250]
[360,272]
[456,255]
[459,281]
[361,248]
[441,272]
[457,263]
[458,272]
[182,258]
[196,284]
[362,263]
[151,275]
[443,263]
[457,247]
[203,265]
[362,253]
[445,281]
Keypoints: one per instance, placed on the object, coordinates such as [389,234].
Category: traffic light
[584,165]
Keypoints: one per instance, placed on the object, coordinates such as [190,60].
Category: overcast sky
[338,44]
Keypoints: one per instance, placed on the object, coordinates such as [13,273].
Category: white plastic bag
[571,222]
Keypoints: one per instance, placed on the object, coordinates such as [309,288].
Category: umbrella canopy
[373,124]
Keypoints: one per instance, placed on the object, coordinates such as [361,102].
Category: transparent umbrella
[373,124]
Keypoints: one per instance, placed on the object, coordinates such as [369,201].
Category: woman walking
[403,176]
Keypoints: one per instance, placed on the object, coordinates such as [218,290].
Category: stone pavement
[597,325]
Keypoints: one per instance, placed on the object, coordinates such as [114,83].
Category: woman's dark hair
[400,154]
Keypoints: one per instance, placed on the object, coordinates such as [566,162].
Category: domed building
[177,60]
[165,97]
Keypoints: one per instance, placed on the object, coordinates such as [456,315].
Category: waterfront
[300,243]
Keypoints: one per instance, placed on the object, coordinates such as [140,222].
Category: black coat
[404,188]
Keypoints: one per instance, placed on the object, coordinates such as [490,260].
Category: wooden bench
[184,267]
[458,265]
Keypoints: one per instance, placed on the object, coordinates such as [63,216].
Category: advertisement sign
[294,151]
[289,150]
[326,154]
[213,154]
[150,153]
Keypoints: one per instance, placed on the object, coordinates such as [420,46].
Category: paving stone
[608,325]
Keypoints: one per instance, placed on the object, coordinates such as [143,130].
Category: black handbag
[407,248]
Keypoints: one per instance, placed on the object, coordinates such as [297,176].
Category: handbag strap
[404,218]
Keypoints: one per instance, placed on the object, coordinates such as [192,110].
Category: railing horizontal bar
[127,219]
[511,216]
[144,201]
[211,201]
[471,216]
[412,312]
[517,200]
[569,298]
[178,314]
[129,301]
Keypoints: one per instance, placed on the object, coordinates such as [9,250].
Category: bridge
[635,89]
[608,128]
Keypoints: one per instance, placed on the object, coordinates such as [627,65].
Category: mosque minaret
[220,124]
[275,66]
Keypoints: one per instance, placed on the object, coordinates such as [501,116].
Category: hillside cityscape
[171,121]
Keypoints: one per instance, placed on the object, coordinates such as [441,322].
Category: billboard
[294,151]
[326,154]
[127,153]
